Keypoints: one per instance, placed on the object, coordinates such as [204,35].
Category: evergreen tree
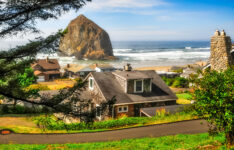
[20,17]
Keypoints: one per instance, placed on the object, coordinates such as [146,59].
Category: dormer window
[138,86]
[91,83]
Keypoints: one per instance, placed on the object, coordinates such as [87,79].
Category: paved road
[185,127]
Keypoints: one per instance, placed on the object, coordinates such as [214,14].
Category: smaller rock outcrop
[85,39]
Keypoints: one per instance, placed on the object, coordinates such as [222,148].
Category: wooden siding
[130,112]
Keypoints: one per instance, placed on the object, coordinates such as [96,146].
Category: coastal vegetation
[215,99]
[52,123]
[181,141]
[44,123]
[178,82]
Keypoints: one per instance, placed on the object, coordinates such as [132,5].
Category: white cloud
[100,4]
[121,5]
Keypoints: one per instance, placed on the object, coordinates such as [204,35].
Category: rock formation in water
[85,39]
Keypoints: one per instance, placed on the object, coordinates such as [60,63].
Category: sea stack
[220,49]
[86,40]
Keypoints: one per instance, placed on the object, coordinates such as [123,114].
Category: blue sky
[160,20]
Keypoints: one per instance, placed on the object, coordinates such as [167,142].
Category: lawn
[54,85]
[184,98]
[181,141]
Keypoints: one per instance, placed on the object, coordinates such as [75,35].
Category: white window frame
[142,89]
[91,78]
[150,85]
[122,109]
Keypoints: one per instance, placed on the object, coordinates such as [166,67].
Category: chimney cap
[217,33]
[223,33]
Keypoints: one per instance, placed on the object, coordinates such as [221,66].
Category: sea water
[147,53]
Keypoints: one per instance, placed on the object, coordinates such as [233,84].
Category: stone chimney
[220,48]
[128,67]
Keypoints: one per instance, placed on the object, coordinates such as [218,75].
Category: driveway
[184,127]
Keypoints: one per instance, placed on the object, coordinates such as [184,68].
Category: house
[74,70]
[133,90]
[46,69]
[102,67]
[187,72]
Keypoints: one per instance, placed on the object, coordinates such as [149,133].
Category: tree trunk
[230,137]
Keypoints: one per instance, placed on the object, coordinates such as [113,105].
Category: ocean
[148,53]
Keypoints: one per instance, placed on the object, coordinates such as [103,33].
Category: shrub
[168,81]
[180,82]
[5,109]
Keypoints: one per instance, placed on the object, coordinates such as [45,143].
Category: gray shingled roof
[133,75]
[110,87]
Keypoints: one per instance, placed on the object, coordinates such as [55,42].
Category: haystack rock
[85,39]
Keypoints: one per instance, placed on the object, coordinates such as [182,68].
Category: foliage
[27,78]
[187,96]
[21,17]
[178,82]
[215,99]
[181,141]
[10,109]
[51,123]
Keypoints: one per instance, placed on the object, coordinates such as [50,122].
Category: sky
[151,20]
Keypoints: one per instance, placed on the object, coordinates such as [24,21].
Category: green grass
[186,96]
[181,141]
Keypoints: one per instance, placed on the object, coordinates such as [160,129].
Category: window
[98,111]
[122,109]
[138,88]
[90,83]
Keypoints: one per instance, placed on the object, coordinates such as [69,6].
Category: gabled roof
[47,63]
[133,74]
[109,87]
